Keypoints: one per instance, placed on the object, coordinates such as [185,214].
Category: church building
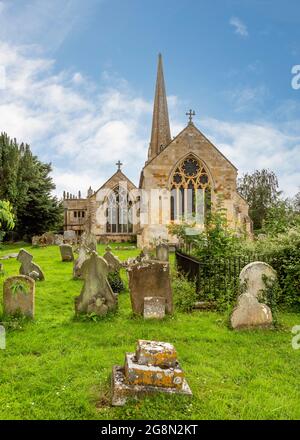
[183,177]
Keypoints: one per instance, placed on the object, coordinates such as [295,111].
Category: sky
[77,82]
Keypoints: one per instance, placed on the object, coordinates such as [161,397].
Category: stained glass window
[190,191]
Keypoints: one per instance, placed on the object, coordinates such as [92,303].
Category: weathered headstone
[114,264]
[152,368]
[19,295]
[96,295]
[28,267]
[252,277]
[249,312]
[70,237]
[154,307]
[58,239]
[66,252]
[149,278]
[162,252]
[88,243]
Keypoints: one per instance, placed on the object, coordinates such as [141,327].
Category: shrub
[115,282]
[184,293]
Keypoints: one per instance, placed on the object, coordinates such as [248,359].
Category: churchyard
[58,366]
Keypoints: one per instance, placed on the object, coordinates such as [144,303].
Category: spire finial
[161,134]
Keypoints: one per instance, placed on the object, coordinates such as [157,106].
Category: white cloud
[239,27]
[48,22]
[251,146]
[245,98]
[82,130]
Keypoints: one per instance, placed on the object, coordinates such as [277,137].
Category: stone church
[183,177]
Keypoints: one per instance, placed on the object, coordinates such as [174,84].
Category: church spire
[160,135]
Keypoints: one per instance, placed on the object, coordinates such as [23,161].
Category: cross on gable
[119,164]
[190,114]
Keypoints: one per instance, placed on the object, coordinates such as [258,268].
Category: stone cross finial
[119,164]
[190,114]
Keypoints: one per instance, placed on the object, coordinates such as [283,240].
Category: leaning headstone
[28,267]
[114,264]
[70,237]
[66,252]
[18,296]
[96,295]
[162,252]
[153,368]
[249,312]
[88,244]
[154,307]
[149,278]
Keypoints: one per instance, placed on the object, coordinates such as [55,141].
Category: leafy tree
[6,217]
[260,190]
[280,217]
[25,181]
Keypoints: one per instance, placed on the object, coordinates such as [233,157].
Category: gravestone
[162,252]
[19,295]
[252,277]
[1,268]
[58,239]
[114,264]
[66,252]
[149,278]
[249,312]
[28,267]
[153,368]
[70,237]
[154,307]
[88,243]
[96,295]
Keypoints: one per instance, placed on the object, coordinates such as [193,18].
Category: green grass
[58,368]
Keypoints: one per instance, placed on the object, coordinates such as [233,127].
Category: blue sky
[78,81]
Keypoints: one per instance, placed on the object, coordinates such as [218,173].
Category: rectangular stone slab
[154,307]
[121,391]
[136,374]
[161,354]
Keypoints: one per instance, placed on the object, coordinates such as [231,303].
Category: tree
[260,190]
[6,218]
[25,181]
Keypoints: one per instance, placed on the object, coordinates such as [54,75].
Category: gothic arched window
[119,215]
[190,191]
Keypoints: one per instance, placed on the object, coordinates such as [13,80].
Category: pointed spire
[160,135]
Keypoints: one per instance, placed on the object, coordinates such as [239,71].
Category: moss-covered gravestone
[96,296]
[19,295]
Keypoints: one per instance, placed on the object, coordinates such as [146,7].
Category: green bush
[184,293]
[115,282]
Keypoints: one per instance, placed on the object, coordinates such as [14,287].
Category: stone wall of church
[157,174]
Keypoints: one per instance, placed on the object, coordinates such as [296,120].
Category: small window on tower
[79,214]
[75,214]
[83,214]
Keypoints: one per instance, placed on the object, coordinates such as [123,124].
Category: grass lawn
[58,368]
